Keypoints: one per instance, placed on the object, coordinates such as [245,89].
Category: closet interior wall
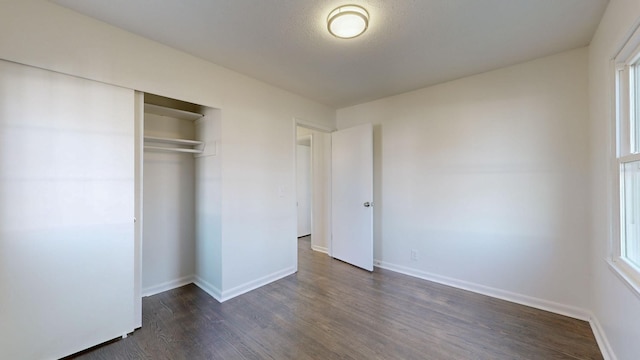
[180,194]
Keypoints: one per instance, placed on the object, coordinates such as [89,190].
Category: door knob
[367,204]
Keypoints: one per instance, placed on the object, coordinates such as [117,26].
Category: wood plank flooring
[331,310]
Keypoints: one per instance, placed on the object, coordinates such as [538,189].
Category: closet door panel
[66,213]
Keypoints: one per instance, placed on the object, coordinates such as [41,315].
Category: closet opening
[178,188]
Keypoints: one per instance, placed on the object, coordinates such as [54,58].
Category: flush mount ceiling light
[348,21]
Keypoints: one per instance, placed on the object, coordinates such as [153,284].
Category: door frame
[294,142]
[138,210]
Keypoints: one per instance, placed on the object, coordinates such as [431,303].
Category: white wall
[256,122]
[322,192]
[209,204]
[168,251]
[615,306]
[486,177]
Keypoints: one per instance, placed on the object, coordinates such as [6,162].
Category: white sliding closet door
[66,213]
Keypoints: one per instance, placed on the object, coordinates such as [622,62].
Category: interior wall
[322,192]
[209,204]
[257,168]
[616,307]
[485,177]
[168,252]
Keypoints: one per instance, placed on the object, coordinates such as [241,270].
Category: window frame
[625,149]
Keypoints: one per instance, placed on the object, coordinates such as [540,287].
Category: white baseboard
[566,310]
[216,293]
[571,311]
[208,288]
[321,249]
[251,285]
[601,339]
[166,286]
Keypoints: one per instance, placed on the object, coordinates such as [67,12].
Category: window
[626,254]
[630,246]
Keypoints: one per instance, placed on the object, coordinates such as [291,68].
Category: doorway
[303,184]
[313,181]
[341,185]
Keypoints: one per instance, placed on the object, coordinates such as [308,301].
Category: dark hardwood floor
[331,310]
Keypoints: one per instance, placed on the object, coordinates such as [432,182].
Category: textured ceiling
[410,44]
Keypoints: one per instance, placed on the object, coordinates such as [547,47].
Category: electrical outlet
[414,255]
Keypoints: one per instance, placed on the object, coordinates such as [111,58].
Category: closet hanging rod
[155,139]
[170,112]
[170,149]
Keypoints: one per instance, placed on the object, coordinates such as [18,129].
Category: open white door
[352,195]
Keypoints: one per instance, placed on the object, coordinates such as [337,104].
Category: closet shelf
[189,146]
[174,113]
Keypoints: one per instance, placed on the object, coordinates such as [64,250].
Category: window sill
[625,274]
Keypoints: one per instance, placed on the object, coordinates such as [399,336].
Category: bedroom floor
[332,310]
